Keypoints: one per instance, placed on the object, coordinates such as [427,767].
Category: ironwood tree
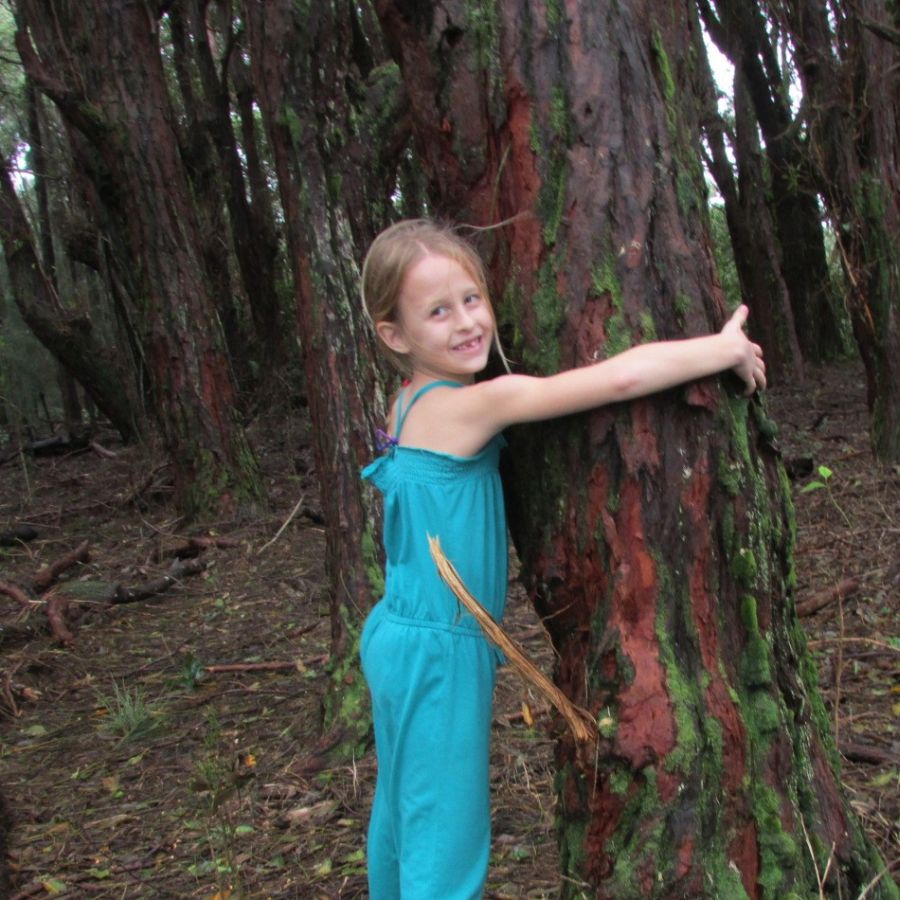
[751,226]
[656,537]
[332,123]
[66,332]
[848,61]
[100,64]
[786,184]
[207,44]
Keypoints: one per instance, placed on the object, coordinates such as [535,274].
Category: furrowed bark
[656,537]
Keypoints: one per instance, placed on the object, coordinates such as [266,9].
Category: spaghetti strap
[401,417]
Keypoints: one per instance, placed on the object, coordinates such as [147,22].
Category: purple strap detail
[384,441]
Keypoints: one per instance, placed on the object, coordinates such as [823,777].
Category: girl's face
[444,324]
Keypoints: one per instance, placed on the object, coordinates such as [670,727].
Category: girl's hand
[750,368]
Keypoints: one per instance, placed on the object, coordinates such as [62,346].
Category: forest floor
[130,769]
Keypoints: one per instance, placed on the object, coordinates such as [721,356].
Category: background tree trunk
[657,540]
[71,405]
[739,29]
[120,122]
[334,193]
[68,336]
[755,246]
[205,39]
[851,77]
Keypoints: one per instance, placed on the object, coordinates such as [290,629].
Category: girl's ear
[392,335]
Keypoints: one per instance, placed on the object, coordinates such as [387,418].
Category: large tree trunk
[108,82]
[656,539]
[334,191]
[850,77]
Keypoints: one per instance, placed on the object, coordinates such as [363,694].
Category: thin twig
[287,522]
[272,666]
[853,640]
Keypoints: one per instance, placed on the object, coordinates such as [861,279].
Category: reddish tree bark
[655,537]
[206,47]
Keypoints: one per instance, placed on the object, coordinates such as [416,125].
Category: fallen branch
[196,545]
[871,642]
[841,591]
[181,568]
[582,724]
[19,595]
[865,753]
[48,575]
[57,606]
[102,451]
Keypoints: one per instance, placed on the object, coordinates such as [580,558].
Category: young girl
[429,667]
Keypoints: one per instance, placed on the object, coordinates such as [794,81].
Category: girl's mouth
[470,345]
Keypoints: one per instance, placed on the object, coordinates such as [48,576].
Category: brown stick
[102,451]
[581,723]
[846,588]
[865,753]
[51,572]
[196,545]
[181,568]
[14,591]
[57,604]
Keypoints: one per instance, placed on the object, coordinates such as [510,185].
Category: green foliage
[129,715]
[12,83]
[824,482]
[825,474]
[190,673]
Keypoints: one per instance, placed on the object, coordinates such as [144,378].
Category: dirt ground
[130,769]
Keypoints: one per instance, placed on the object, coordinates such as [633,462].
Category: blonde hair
[394,252]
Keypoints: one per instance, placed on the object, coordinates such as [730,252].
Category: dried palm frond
[582,724]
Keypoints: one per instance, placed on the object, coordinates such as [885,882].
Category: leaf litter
[130,769]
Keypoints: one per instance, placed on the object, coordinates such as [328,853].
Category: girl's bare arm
[637,372]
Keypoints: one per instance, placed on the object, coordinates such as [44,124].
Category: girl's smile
[444,324]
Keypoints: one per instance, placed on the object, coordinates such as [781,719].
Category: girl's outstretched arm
[642,370]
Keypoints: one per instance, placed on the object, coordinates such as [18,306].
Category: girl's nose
[464,318]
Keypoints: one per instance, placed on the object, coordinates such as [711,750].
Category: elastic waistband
[454,627]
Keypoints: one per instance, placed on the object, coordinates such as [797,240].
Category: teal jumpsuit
[431,671]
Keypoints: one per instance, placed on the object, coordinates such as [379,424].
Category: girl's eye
[438,311]
[473,298]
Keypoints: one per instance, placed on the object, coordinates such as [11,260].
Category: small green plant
[826,474]
[128,713]
[190,674]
